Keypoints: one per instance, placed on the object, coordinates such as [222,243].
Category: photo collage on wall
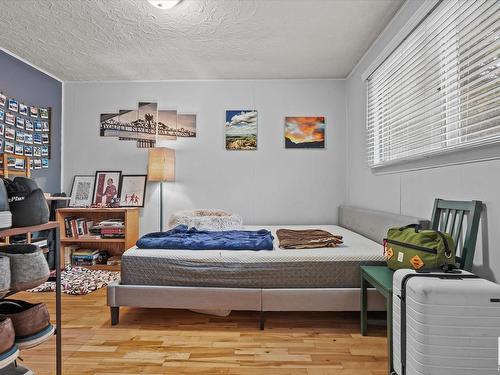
[24,132]
[147,125]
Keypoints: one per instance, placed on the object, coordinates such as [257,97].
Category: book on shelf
[76,256]
[76,227]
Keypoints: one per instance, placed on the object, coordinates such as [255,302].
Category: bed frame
[369,223]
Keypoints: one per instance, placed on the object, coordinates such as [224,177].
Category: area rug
[79,280]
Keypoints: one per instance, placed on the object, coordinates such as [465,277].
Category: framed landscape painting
[305,132]
[241,129]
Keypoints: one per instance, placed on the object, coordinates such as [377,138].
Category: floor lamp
[161,168]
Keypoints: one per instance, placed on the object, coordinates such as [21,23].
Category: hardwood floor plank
[157,342]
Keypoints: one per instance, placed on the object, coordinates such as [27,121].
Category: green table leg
[364,305]
[389,333]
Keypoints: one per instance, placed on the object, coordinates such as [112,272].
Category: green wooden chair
[447,216]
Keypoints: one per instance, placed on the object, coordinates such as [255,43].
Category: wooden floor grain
[154,341]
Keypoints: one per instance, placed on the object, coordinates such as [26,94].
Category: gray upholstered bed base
[372,224]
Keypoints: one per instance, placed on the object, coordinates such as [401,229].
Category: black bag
[27,202]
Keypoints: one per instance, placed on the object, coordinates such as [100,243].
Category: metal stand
[51,225]
[161,206]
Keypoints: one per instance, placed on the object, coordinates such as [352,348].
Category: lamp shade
[161,164]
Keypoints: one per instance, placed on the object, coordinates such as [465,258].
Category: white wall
[412,193]
[271,185]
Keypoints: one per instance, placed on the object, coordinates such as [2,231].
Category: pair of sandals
[23,325]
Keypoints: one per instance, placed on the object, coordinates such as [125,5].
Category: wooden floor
[181,342]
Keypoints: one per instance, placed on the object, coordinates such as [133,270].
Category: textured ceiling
[198,39]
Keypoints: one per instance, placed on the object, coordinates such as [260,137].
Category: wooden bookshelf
[114,246]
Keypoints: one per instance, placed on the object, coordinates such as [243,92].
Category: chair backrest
[449,216]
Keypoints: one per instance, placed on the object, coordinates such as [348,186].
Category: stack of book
[111,228]
[88,257]
[78,227]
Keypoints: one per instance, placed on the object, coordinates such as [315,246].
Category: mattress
[278,268]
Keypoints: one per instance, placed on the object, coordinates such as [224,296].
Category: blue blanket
[182,237]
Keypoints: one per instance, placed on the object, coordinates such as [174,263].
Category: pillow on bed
[206,219]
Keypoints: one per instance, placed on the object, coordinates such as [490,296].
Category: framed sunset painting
[305,132]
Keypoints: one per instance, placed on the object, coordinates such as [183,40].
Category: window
[439,90]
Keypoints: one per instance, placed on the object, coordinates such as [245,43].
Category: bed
[324,279]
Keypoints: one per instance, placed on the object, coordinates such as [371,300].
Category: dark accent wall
[27,84]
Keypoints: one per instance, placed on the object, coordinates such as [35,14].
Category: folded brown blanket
[307,239]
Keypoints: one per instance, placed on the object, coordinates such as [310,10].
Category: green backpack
[415,248]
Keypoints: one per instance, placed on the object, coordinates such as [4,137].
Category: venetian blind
[439,90]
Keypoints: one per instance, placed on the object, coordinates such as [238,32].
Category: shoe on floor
[31,322]
[8,349]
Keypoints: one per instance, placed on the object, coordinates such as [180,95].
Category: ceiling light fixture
[164,4]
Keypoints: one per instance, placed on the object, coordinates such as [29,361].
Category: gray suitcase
[445,324]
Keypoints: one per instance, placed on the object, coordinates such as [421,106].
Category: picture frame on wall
[106,187]
[133,190]
[10,119]
[3,99]
[45,163]
[2,129]
[28,138]
[13,105]
[23,109]
[37,164]
[44,113]
[19,122]
[9,147]
[10,133]
[28,125]
[2,115]
[33,112]
[45,126]
[28,150]
[19,149]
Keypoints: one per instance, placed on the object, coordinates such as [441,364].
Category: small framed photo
[10,119]
[45,163]
[106,187]
[20,163]
[20,122]
[2,115]
[45,138]
[28,150]
[28,125]
[37,151]
[23,109]
[2,129]
[3,99]
[11,162]
[28,138]
[19,149]
[45,150]
[10,133]
[33,112]
[37,138]
[13,105]
[44,113]
[45,126]
[19,136]
[1,145]
[38,126]
[133,190]
[37,163]
[82,190]
[8,147]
